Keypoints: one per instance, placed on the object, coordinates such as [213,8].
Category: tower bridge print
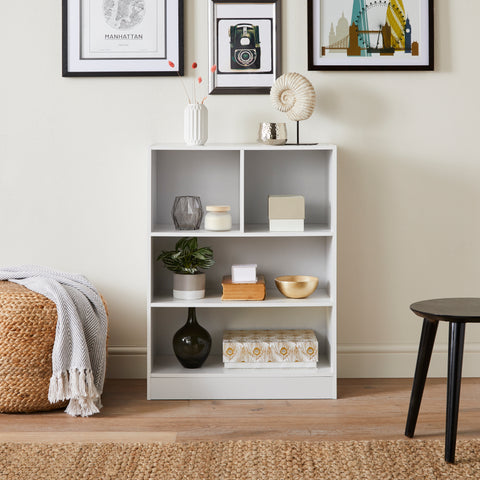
[376,27]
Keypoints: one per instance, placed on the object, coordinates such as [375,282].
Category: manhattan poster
[122,37]
[123,29]
[371,34]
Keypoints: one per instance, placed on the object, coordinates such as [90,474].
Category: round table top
[449,309]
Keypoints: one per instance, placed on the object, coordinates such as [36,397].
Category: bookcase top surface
[240,146]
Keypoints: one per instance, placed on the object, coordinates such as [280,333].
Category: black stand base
[298,138]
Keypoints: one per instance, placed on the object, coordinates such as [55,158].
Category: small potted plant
[186,263]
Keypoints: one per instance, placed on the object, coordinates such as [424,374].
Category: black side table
[457,312]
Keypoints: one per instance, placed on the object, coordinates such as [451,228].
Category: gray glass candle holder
[187,212]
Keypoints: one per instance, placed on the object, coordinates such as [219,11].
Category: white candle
[218,218]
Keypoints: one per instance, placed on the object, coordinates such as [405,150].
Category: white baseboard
[398,361]
[354,361]
[127,362]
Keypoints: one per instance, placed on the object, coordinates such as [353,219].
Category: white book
[287,225]
[244,273]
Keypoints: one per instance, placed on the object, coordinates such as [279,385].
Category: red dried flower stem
[172,65]
[194,93]
[213,68]
[194,67]
[185,88]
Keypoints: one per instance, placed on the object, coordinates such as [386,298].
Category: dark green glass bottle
[192,342]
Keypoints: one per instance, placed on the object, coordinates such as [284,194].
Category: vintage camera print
[245,45]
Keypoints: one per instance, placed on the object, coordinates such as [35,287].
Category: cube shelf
[243,176]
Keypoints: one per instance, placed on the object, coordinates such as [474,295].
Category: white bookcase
[243,176]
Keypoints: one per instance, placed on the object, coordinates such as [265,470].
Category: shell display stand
[294,95]
[298,137]
[244,176]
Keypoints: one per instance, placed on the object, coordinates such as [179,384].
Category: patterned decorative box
[270,349]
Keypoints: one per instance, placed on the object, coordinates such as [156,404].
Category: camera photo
[244,47]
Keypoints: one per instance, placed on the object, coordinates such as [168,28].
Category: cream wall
[73,176]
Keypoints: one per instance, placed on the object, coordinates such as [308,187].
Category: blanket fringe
[59,388]
[78,386]
[82,406]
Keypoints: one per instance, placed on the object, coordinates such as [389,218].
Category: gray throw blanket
[79,350]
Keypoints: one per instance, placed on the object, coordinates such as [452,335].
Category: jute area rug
[242,460]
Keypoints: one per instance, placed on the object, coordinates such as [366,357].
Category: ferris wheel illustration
[379,27]
[373,17]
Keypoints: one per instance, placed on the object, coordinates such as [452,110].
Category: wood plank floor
[365,409]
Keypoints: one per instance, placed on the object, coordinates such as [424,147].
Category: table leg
[456,339]
[427,339]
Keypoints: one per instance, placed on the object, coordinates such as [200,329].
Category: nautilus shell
[294,95]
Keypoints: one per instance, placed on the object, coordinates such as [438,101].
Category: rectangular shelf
[274,298]
[251,230]
[171,381]
[242,146]
[168,230]
[311,230]
[168,366]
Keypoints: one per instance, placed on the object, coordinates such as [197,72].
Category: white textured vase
[196,124]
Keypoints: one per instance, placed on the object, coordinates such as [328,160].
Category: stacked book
[243,284]
[243,291]
[286,213]
[270,349]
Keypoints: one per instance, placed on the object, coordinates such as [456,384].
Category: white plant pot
[188,287]
[195,124]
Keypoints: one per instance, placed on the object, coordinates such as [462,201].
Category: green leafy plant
[187,258]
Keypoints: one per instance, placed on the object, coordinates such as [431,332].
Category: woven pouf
[27,331]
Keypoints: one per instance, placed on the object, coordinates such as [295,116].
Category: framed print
[122,37]
[370,34]
[245,45]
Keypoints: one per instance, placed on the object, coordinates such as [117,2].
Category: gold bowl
[296,286]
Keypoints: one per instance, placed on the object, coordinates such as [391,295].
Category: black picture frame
[224,79]
[76,64]
[317,59]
